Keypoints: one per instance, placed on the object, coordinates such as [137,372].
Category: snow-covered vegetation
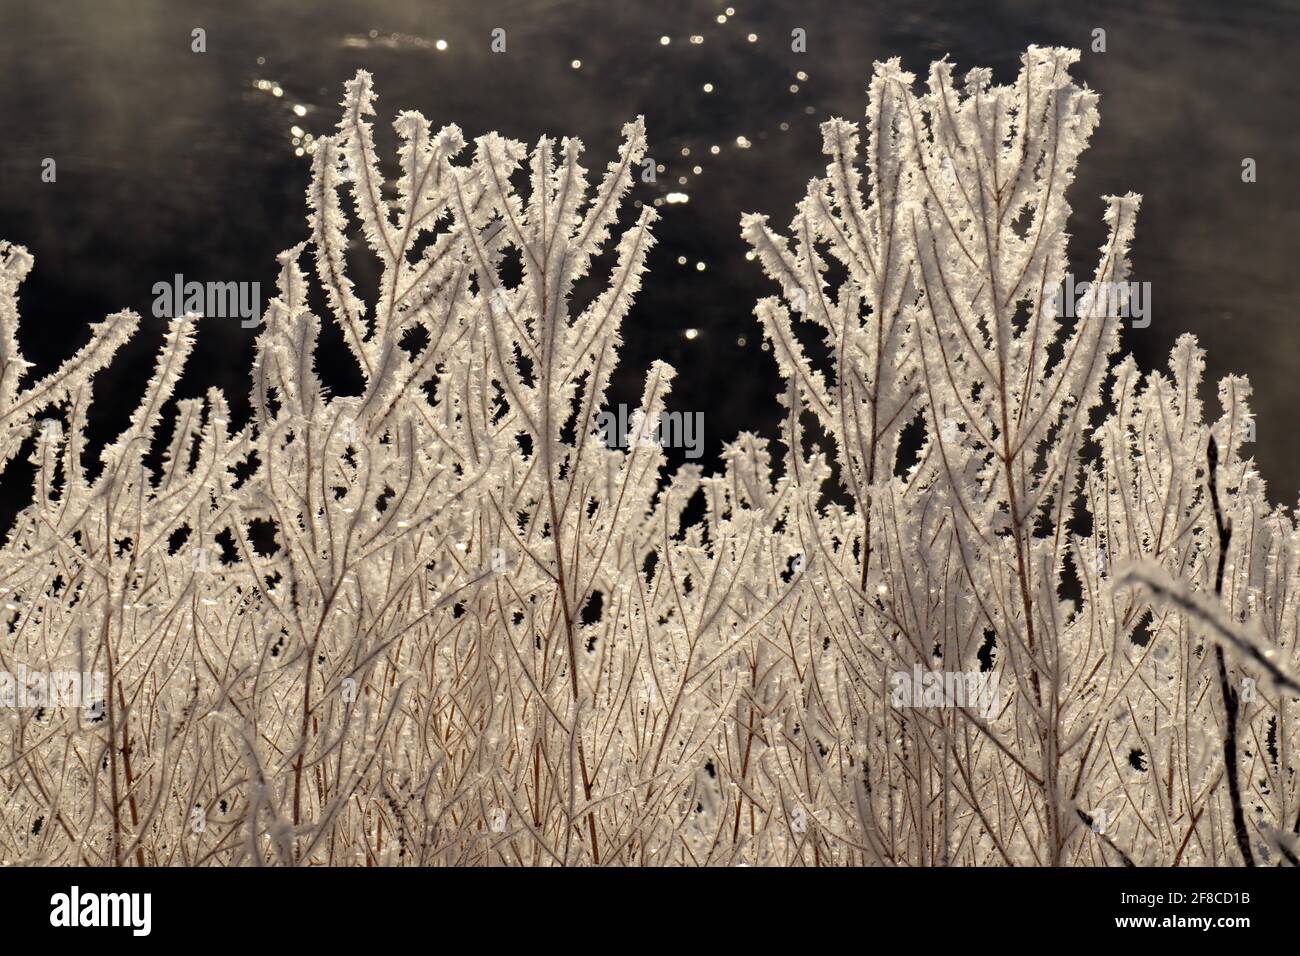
[443,621]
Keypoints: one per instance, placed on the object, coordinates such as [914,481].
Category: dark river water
[169,161]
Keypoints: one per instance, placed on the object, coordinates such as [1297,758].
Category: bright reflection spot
[674,198]
[441,44]
[664,41]
[692,333]
[576,64]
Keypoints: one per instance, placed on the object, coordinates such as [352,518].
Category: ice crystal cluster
[443,622]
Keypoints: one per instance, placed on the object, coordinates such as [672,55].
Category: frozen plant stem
[1226,690]
[450,626]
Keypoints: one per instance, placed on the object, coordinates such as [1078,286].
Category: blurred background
[170,161]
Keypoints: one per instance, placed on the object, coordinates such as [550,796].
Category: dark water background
[171,161]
